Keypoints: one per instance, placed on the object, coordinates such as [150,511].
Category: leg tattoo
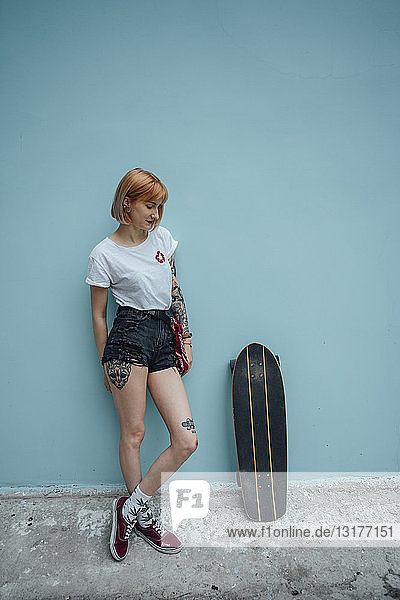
[118,372]
[189,424]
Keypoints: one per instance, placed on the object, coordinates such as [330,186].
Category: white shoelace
[128,531]
[157,525]
[150,520]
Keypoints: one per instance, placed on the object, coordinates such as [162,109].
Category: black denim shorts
[141,337]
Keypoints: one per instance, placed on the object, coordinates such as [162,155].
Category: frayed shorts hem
[139,363]
[126,359]
[161,368]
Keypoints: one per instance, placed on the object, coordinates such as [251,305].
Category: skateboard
[259,417]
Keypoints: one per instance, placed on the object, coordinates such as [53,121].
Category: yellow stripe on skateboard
[252,431]
[269,436]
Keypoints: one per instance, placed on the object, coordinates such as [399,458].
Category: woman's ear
[126,204]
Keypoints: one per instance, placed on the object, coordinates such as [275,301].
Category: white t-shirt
[139,276]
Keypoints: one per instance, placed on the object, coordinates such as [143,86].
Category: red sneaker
[121,530]
[160,538]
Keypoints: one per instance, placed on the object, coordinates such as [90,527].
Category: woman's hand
[189,355]
[106,382]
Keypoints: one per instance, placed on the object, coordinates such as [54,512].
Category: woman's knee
[185,445]
[133,436]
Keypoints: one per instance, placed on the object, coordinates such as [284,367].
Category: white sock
[135,507]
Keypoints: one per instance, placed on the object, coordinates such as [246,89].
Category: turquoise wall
[275,127]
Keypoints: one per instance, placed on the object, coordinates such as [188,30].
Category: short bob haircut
[138,185]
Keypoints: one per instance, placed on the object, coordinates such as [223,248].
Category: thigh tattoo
[118,372]
[189,425]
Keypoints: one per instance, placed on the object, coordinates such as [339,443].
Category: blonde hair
[138,185]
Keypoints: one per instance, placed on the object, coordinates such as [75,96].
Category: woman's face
[144,213]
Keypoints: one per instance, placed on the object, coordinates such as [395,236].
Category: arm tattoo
[173,266]
[178,303]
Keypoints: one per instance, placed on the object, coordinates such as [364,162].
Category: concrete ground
[54,545]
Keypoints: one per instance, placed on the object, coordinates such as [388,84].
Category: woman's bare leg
[169,395]
[128,386]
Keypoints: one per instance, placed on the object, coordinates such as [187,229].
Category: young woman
[137,263]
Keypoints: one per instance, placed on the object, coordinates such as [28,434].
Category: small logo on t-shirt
[160,257]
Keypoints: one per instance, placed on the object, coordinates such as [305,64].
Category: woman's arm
[178,304]
[99,297]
